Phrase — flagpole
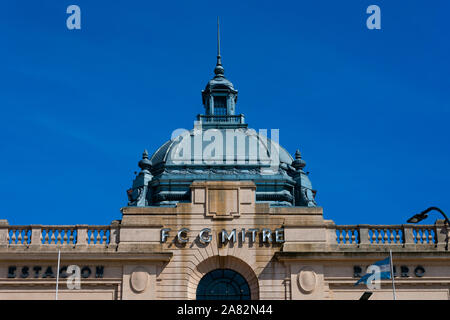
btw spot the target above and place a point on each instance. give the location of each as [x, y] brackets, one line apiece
[57, 273]
[392, 274]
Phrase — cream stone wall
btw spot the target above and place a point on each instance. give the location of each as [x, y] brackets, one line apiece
[315, 260]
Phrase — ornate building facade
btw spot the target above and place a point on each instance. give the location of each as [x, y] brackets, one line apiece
[220, 211]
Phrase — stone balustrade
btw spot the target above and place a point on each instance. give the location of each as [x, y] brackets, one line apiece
[346, 236]
[72, 235]
[19, 235]
[391, 235]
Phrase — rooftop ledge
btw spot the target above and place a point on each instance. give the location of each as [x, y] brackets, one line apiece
[344, 239]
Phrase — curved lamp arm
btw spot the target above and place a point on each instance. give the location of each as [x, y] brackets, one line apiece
[420, 216]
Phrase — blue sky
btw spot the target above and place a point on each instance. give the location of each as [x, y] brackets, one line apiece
[369, 109]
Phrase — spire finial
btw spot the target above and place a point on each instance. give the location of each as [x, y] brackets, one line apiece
[219, 71]
[298, 163]
[145, 163]
[218, 39]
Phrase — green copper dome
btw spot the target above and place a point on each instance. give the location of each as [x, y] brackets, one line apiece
[221, 147]
[251, 148]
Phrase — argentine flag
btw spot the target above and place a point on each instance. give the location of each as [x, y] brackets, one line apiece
[385, 271]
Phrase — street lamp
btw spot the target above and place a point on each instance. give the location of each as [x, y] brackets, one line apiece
[423, 215]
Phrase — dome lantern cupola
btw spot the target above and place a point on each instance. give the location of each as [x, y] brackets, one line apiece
[219, 98]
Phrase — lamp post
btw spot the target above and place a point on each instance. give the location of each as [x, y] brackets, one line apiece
[424, 214]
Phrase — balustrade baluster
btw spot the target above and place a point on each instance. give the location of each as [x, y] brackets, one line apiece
[91, 238]
[71, 236]
[373, 237]
[25, 238]
[379, 236]
[418, 236]
[424, 236]
[58, 238]
[65, 236]
[430, 235]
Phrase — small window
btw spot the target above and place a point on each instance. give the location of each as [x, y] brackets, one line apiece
[220, 106]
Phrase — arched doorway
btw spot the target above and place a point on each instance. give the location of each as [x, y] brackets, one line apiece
[223, 284]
